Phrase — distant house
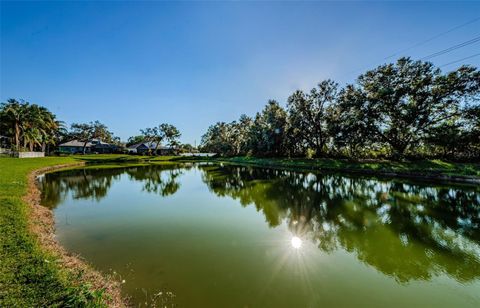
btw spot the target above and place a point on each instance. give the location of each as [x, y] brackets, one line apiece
[138, 148]
[94, 146]
[146, 147]
[74, 147]
[101, 147]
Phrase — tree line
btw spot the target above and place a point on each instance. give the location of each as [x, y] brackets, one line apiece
[407, 109]
[29, 127]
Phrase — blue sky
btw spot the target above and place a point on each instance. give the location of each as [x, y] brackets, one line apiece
[133, 65]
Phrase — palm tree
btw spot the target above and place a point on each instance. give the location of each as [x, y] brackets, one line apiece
[32, 125]
[15, 113]
[42, 126]
[52, 129]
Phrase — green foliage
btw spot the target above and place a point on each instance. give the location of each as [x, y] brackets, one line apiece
[170, 133]
[269, 131]
[406, 109]
[85, 296]
[187, 148]
[400, 103]
[309, 153]
[135, 139]
[164, 132]
[308, 121]
[29, 126]
[228, 138]
[86, 132]
[218, 139]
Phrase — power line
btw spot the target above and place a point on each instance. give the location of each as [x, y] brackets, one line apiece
[432, 38]
[472, 41]
[452, 48]
[460, 60]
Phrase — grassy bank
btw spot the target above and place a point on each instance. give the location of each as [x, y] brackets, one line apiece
[30, 275]
[428, 169]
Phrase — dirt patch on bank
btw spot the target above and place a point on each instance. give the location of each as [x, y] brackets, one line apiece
[42, 225]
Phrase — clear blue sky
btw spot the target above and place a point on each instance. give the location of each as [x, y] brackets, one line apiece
[132, 65]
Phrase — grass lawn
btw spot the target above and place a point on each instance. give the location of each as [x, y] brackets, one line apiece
[29, 276]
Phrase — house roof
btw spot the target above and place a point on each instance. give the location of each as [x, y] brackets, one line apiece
[75, 143]
[98, 141]
[134, 146]
[150, 145]
[101, 144]
[93, 143]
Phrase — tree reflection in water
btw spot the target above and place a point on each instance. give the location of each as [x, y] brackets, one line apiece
[160, 179]
[407, 231]
[81, 183]
[94, 183]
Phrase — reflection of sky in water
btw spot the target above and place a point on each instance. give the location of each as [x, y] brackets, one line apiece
[278, 238]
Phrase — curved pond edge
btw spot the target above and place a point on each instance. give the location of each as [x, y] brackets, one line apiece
[41, 224]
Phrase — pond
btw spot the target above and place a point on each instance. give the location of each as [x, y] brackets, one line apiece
[213, 235]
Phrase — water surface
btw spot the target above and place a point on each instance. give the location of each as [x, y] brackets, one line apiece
[212, 235]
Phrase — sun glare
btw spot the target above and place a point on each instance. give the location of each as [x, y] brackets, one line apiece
[296, 242]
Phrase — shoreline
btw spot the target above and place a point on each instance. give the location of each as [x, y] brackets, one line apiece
[302, 165]
[391, 174]
[429, 170]
[41, 224]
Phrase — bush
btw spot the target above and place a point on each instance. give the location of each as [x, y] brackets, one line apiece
[309, 153]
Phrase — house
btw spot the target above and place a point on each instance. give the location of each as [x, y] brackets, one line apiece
[138, 148]
[74, 147]
[144, 148]
[93, 146]
[101, 147]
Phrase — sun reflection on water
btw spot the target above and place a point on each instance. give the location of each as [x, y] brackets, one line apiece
[296, 242]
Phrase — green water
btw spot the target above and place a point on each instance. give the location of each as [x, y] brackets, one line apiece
[230, 236]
